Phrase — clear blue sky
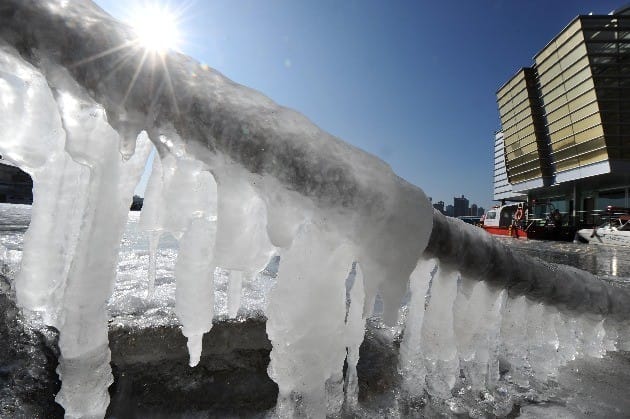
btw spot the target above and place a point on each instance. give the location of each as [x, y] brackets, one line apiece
[412, 82]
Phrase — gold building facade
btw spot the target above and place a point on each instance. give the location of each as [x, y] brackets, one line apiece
[525, 143]
[566, 120]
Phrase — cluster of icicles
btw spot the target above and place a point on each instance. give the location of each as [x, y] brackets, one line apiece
[50, 127]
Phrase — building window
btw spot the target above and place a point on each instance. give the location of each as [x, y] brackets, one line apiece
[615, 198]
[560, 203]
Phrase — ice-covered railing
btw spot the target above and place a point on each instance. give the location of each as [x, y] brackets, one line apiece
[238, 179]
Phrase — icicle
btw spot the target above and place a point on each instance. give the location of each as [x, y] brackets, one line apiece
[285, 212]
[32, 137]
[567, 340]
[195, 284]
[512, 328]
[305, 323]
[611, 331]
[194, 269]
[84, 362]
[592, 336]
[476, 323]
[154, 241]
[242, 242]
[623, 335]
[235, 286]
[493, 330]
[411, 356]
[542, 342]
[180, 198]
[386, 281]
[355, 332]
[54, 230]
[151, 217]
[438, 338]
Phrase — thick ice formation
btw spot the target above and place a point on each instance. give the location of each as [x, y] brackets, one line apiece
[237, 179]
[81, 198]
[308, 334]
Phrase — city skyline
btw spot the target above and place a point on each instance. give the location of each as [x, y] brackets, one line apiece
[392, 80]
[461, 207]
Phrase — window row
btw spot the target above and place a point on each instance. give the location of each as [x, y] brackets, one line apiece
[569, 95]
[580, 69]
[564, 42]
[564, 109]
[574, 150]
[516, 104]
[580, 137]
[591, 157]
[610, 33]
[517, 142]
[514, 87]
[522, 150]
[558, 63]
[525, 172]
[559, 131]
[608, 48]
[521, 129]
[563, 119]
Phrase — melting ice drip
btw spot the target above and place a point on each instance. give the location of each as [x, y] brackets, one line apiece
[238, 179]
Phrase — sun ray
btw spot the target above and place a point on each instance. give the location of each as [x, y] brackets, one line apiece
[169, 84]
[155, 34]
[105, 53]
[135, 77]
[120, 62]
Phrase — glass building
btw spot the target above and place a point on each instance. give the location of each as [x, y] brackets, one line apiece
[565, 121]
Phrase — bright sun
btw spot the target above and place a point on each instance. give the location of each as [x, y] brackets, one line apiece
[156, 28]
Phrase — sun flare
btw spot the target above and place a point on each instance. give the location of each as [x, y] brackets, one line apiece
[156, 28]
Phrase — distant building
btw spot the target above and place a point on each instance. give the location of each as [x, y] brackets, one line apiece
[460, 206]
[439, 206]
[16, 186]
[480, 211]
[565, 121]
[136, 203]
[450, 210]
[473, 210]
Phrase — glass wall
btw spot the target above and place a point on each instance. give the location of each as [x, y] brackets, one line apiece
[615, 198]
[523, 130]
[569, 99]
[608, 44]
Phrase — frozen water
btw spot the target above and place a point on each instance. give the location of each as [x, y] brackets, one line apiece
[355, 329]
[438, 335]
[306, 323]
[411, 359]
[238, 179]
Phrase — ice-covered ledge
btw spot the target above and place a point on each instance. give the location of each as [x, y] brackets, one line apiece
[351, 189]
[212, 113]
[481, 256]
